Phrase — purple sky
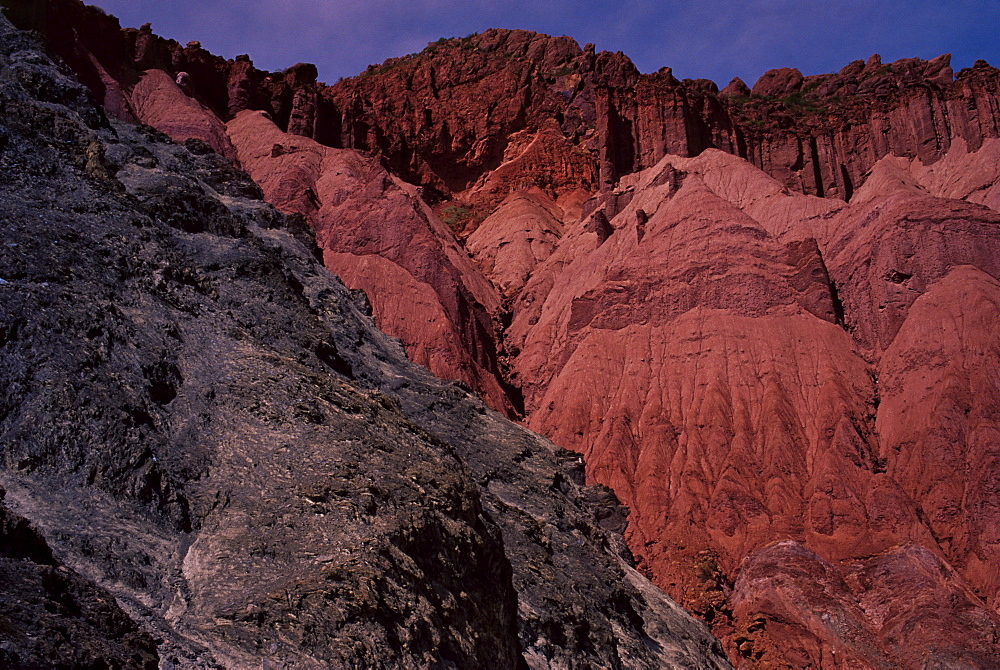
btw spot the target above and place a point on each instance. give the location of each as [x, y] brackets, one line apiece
[715, 39]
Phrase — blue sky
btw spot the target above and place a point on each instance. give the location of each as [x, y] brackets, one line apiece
[714, 39]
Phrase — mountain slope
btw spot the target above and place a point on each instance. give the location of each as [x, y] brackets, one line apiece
[822, 386]
[793, 394]
[201, 421]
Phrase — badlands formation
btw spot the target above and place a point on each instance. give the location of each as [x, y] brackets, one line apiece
[767, 317]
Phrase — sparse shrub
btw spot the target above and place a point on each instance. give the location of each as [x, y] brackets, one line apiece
[458, 217]
[798, 102]
[563, 71]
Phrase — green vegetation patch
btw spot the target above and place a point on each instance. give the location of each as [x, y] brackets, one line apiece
[458, 217]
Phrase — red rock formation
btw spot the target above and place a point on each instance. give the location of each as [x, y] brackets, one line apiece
[445, 118]
[937, 421]
[819, 135]
[894, 242]
[378, 236]
[903, 608]
[520, 234]
[700, 368]
[157, 100]
[778, 83]
[540, 159]
[972, 176]
[825, 137]
[795, 394]
[644, 117]
[736, 88]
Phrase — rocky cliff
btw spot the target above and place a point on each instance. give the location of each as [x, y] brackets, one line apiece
[791, 395]
[448, 117]
[765, 316]
[211, 458]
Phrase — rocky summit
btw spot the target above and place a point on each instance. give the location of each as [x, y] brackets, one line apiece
[732, 351]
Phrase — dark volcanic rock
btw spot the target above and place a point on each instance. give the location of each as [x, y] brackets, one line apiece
[52, 617]
[198, 418]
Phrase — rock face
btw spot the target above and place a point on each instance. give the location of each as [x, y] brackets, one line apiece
[211, 458]
[158, 100]
[460, 113]
[54, 617]
[824, 138]
[766, 317]
[379, 236]
[442, 133]
[515, 239]
[745, 366]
